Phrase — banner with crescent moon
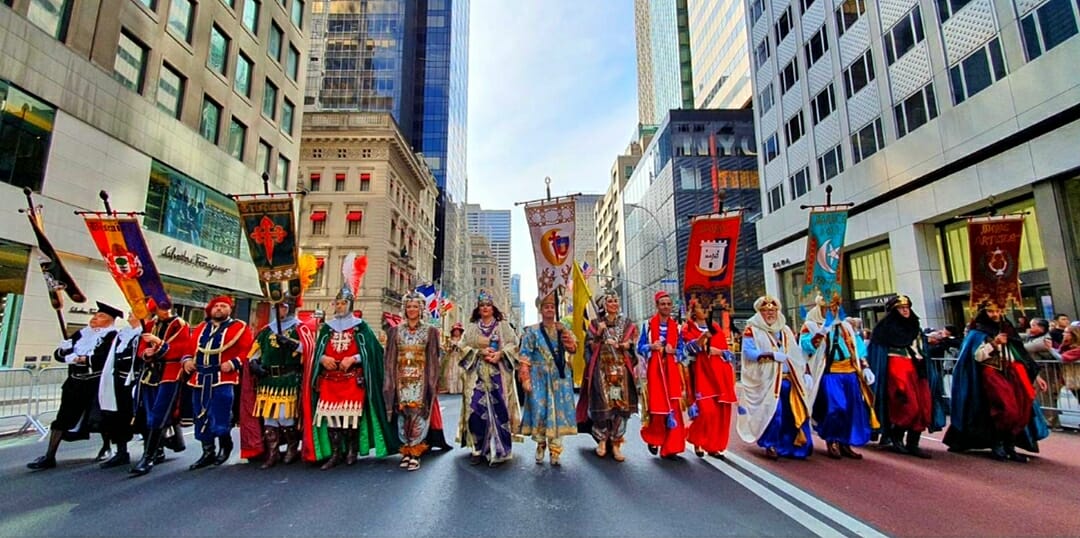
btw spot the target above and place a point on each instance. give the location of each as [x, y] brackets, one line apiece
[994, 247]
[824, 254]
[710, 258]
[127, 256]
[552, 228]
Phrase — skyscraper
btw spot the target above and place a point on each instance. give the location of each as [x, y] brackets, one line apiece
[720, 58]
[665, 80]
[493, 224]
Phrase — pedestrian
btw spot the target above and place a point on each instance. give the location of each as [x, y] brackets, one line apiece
[843, 410]
[115, 392]
[85, 354]
[609, 394]
[165, 340]
[908, 393]
[711, 382]
[450, 376]
[1057, 332]
[219, 346]
[490, 409]
[778, 421]
[662, 429]
[548, 381]
[410, 389]
[1070, 357]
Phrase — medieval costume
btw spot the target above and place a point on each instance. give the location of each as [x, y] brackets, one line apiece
[548, 382]
[164, 343]
[271, 393]
[843, 410]
[609, 394]
[993, 397]
[908, 393]
[85, 354]
[490, 410]
[450, 374]
[116, 391]
[219, 348]
[711, 382]
[776, 385]
[410, 388]
[662, 419]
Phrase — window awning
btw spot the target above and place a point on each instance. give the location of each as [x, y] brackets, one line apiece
[339, 177]
[354, 216]
[318, 216]
[365, 177]
[315, 176]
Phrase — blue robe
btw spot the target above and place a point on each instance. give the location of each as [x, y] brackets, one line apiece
[549, 409]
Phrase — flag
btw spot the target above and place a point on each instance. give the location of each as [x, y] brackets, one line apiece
[586, 270]
[57, 277]
[431, 298]
[269, 225]
[581, 300]
[710, 258]
[994, 249]
[824, 250]
[552, 228]
[127, 256]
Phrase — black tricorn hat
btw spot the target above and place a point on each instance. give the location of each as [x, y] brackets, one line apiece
[109, 310]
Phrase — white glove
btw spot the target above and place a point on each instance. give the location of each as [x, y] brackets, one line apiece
[67, 345]
[868, 376]
[808, 381]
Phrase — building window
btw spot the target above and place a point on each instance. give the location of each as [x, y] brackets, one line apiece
[789, 76]
[761, 53]
[765, 101]
[218, 58]
[170, 93]
[281, 176]
[26, 125]
[365, 182]
[872, 272]
[948, 8]
[823, 104]
[180, 207]
[799, 183]
[848, 14]
[273, 46]
[816, 47]
[181, 13]
[859, 74]
[783, 26]
[977, 72]
[314, 181]
[130, 65]
[339, 182]
[354, 217]
[251, 16]
[237, 138]
[51, 16]
[771, 147]
[776, 198]
[210, 119]
[298, 13]
[292, 63]
[806, 4]
[903, 36]
[757, 9]
[150, 4]
[867, 141]
[318, 227]
[830, 164]
[287, 109]
[1047, 27]
[269, 105]
[262, 158]
[794, 129]
[242, 82]
[915, 111]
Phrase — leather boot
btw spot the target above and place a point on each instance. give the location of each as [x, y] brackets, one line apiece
[271, 436]
[207, 458]
[352, 443]
[175, 441]
[896, 440]
[616, 451]
[912, 446]
[335, 450]
[159, 455]
[847, 452]
[225, 450]
[150, 448]
[1011, 455]
[120, 457]
[292, 443]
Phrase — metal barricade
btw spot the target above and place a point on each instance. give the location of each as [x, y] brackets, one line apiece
[47, 384]
[17, 398]
[1060, 402]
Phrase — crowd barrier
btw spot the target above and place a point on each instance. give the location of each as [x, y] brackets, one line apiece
[1060, 401]
[31, 395]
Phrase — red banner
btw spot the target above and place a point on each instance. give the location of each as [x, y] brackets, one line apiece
[994, 247]
[710, 259]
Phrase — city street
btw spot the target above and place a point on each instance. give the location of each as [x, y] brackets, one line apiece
[745, 495]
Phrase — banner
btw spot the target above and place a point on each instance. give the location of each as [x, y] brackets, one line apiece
[552, 229]
[269, 225]
[824, 252]
[127, 256]
[710, 258]
[57, 277]
[994, 247]
[580, 319]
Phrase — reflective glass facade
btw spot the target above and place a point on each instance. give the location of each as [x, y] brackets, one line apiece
[669, 48]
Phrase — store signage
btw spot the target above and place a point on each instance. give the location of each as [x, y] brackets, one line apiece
[88, 311]
[193, 260]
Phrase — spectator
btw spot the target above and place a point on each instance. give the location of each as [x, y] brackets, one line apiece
[1058, 331]
[1070, 355]
[942, 341]
[1022, 325]
[1038, 342]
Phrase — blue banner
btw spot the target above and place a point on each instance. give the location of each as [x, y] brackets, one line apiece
[824, 254]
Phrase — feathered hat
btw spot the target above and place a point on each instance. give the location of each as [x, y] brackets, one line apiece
[352, 272]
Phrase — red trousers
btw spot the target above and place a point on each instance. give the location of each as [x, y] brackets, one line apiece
[1010, 396]
[909, 396]
[665, 396]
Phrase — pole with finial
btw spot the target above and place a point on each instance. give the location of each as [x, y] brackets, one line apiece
[105, 200]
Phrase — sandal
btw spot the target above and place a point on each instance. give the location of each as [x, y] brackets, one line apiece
[404, 462]
[414, 464]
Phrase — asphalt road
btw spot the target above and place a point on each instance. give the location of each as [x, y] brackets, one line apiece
[645, 496]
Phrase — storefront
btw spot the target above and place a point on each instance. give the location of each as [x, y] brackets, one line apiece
[14, 259]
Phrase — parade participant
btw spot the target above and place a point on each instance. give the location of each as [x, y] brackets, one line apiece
[490, 410]
[450, 376]
[548, 381]
[164, 342]
[711, 382]
[348, 418]
[776, 385]
[276, 367]
[85, 354]
[115, 391]
[843, 410]
[219, 346]
[663, 430]
[609, 393]
[410, 389]
[993, 396]
[906, 395]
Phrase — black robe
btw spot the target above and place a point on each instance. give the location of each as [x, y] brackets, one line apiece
[79, 412]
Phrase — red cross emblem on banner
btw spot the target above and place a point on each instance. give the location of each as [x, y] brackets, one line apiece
[268, 234]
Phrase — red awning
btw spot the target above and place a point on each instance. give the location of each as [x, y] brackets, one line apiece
[339, 177]
[354, 216]
[318, 216]
[315, 176]
[365, 177]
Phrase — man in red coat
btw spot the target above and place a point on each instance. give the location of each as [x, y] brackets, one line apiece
[220, 345]
[662, 418]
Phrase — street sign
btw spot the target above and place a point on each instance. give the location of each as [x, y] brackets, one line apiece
[669, 281]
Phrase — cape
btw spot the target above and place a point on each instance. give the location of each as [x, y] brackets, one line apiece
[886, 335]
[594, 341]
[251, 445]
[435, 437]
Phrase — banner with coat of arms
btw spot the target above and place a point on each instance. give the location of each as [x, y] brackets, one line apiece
[710, 258]
[994, 248]
[552, 228]
[127, 256]
[269, 226]
[824, 253]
